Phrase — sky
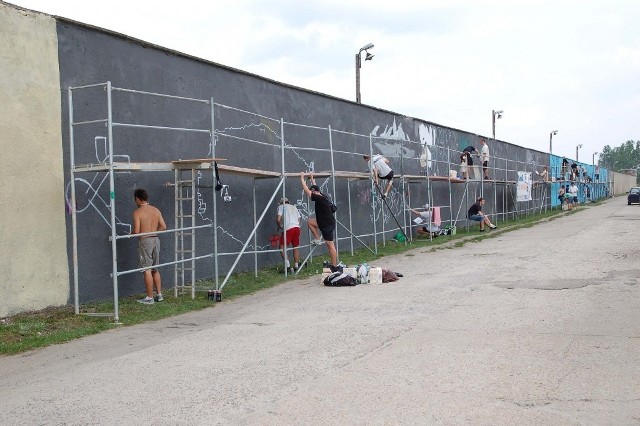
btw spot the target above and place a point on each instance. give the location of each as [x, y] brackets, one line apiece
[566, 65]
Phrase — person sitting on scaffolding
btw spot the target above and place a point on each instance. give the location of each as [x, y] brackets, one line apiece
[380, 169]
[324, 215]
[424, 221]
[288, 219]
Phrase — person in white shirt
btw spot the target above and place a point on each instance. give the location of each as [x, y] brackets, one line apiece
[425, 227]
[484, 156]
[573, 190]
[291, 217]
[380, 169]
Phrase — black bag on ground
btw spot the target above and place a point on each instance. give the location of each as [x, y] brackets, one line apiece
[340, 279]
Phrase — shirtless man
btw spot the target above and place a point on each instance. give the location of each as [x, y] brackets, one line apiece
[147, 218]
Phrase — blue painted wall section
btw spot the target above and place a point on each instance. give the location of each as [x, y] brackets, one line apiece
[594, 183]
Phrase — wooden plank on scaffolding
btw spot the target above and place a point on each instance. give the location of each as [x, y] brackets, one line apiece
[223, 168]
[104, 167]
[337, 173]
[447, 178]
[196, 161]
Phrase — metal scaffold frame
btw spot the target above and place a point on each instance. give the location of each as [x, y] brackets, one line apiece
[185, 235]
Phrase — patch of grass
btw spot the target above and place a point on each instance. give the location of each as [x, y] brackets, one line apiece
[32, 330]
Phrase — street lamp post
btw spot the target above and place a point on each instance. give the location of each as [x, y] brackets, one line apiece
[359, 65]
[577, 148]
[553, 132]
[593, 159]
[495, 114]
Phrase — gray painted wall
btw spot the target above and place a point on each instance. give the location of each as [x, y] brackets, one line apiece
[88, 56]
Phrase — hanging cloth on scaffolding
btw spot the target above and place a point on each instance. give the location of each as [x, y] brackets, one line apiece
[218, 183]
[436, 216]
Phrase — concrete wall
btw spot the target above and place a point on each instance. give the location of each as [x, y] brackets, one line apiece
[621, 182]
[88, 55]
[33, 265]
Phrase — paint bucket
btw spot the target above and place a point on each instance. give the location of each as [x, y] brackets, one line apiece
[453, 174]
[274, 239]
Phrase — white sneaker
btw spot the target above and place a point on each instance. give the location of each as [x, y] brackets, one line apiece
[317, 242]
[147, 301]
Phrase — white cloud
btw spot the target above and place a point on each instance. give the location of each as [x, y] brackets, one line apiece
[561, 64]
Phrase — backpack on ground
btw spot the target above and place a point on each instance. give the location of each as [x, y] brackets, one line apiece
[388, 276]
[340, 279]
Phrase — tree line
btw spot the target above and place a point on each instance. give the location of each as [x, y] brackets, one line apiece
[621, 158]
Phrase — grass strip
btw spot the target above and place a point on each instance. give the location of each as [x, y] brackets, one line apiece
[38, 329]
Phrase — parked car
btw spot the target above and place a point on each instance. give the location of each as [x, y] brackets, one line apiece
[633, 196]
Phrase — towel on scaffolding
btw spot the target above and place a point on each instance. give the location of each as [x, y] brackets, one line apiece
[436, 216]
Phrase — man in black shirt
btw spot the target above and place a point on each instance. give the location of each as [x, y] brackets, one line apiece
[475, 214]
[468, 151]
[324, 215]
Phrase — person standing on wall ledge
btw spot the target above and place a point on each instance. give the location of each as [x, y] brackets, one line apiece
[147, 218]
[484, 157]
[380, 169]
[324, 215]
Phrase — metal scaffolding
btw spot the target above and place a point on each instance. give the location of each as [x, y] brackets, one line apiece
[434, 178]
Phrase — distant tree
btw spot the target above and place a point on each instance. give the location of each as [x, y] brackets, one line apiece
[625, 156]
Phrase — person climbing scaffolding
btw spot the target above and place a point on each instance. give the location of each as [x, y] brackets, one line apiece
[380, 169]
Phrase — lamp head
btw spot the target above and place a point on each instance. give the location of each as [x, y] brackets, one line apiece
[369, 57]
[554, 132]
[579, 146]
[367, 47]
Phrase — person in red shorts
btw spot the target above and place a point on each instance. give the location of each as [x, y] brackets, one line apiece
[288, 218]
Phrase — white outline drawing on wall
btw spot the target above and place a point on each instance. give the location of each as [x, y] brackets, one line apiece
[94, 200]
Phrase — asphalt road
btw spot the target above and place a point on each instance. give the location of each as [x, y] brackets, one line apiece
[539, 326]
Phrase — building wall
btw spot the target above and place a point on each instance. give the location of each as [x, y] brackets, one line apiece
[34, 270]
[88, 55]
[621, 183]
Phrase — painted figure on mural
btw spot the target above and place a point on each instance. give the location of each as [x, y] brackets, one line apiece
[380, 169]
[148, 219]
